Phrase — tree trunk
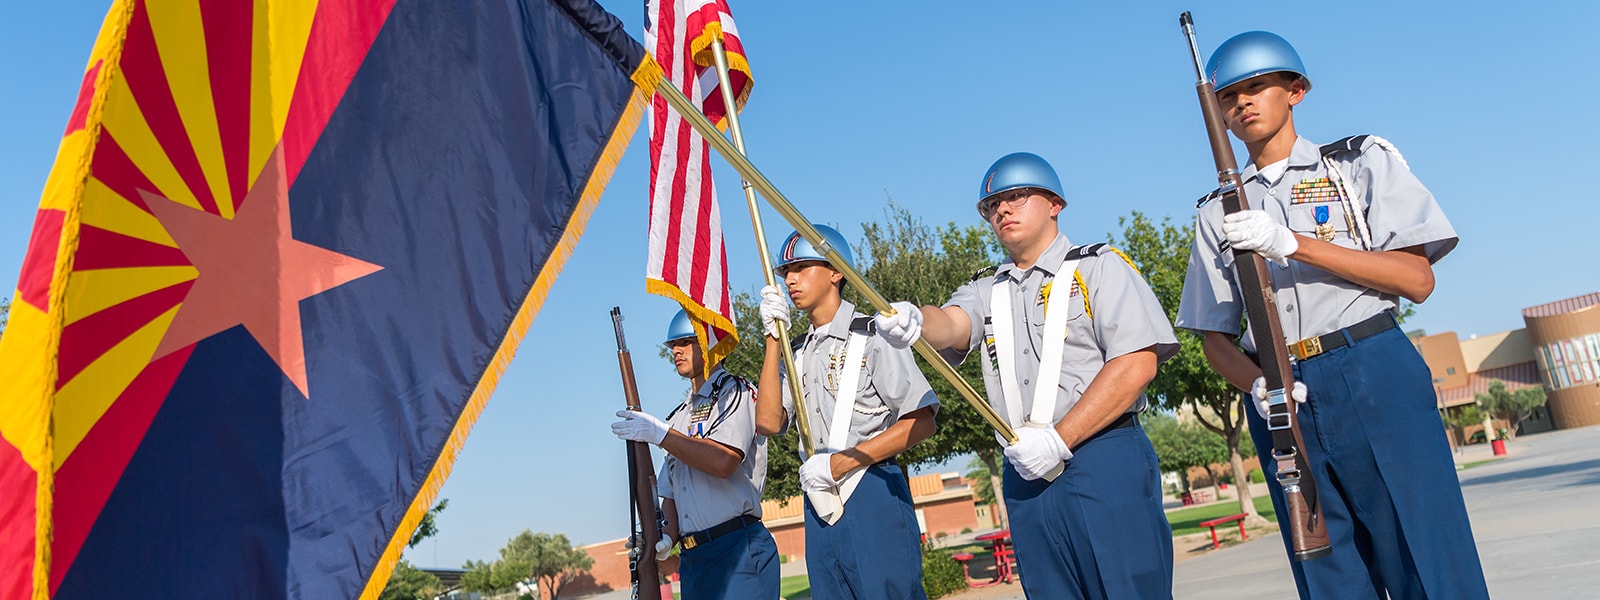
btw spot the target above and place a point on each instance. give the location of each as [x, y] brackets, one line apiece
[1002, 517]
[1241, 478]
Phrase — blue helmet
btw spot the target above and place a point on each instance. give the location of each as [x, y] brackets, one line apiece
[798, 249]
[1250, 54]
[679, 327]
[1019, 170]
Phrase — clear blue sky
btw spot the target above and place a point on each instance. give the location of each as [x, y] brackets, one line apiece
[858, 100]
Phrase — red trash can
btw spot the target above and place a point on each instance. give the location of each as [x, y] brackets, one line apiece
[1499, 447]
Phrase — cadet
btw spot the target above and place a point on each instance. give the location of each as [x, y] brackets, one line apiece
[711, 480]
[868, 402]
[1070, 336]
[1350, 231]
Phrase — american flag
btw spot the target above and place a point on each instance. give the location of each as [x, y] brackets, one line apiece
[687, 260]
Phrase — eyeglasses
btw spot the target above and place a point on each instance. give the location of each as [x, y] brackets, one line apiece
[1013, 198]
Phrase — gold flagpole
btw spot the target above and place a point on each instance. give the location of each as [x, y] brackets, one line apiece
[802, 421]
[752, 176]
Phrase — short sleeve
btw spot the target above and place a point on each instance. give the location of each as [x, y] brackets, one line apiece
[1401, 212]
[664, 479]
[1210, 301]
[900, 385]
[1127, 316]
[736, 411]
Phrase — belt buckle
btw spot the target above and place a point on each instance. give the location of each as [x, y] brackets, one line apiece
[689, 542]
[1306, 348]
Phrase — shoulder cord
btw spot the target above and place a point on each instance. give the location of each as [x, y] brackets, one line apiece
[1357, 225]
[716, 394]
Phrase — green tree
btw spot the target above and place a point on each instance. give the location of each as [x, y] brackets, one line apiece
[428, 527]
[1512, 407]
[5, 314]
[531, 560]
[982, 481]
[487, 577]
[410, 583]
[1182, 446]
[547, 559]
[1186, 381]
[1464, 416]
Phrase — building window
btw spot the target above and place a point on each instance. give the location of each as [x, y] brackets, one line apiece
[1450, 371]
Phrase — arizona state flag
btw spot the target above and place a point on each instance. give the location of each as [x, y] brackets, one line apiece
[285, 251]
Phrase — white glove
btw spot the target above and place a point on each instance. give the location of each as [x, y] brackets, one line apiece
[1259, 391]
[636, 426]
[1037, 452]
[816, 475]
[664, 547]
[774, 310]
[1256, 230]
[902, 328]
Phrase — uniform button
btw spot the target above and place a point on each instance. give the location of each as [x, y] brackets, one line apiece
[1288, 308]
[1272, 192]
[1025, 382]
[1026, 351]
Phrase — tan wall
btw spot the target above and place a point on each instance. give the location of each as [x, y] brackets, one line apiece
[1497, 350]
[1442, 352]
[1576, 405]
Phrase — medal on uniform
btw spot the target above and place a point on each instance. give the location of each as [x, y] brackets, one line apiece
[1324, 230]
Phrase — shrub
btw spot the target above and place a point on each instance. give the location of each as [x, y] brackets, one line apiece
[1256, 476]
[966, 530]
[941, 575]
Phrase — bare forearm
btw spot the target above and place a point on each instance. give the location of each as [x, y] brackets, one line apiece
[702, 454]
[1113, 392]
[1404, 272]
[770, 415]
[1229, 361]
[945, 328]
[669, 512]
[904, 433]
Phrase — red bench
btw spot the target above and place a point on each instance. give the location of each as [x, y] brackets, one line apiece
[1228, 519]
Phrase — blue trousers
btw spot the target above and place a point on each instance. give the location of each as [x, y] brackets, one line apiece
[742, 565]
[1097, 531]
[1385, 479]
[873, 552]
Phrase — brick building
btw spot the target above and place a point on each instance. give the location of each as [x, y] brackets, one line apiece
[945, 505]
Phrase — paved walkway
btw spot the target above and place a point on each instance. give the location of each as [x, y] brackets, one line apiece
[1534, 515]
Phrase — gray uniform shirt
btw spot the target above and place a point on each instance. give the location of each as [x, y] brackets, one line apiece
[1400, 213]
[1126, 318]
[889, 387]
[729, 417]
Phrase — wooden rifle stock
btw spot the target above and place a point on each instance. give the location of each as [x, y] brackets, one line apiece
[1308, 532]
[644, 528]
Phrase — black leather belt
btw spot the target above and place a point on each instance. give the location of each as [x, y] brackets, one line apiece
[721, 529]
[1125, 421]
[1316, 346]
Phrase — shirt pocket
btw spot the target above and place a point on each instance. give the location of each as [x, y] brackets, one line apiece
[1308, 218]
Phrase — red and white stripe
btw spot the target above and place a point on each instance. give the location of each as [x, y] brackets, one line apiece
[687, 260]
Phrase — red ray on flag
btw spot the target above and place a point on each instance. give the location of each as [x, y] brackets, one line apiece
[687, 261]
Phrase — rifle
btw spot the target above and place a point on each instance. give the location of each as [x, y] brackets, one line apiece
[644, 535]
[1308, 532]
